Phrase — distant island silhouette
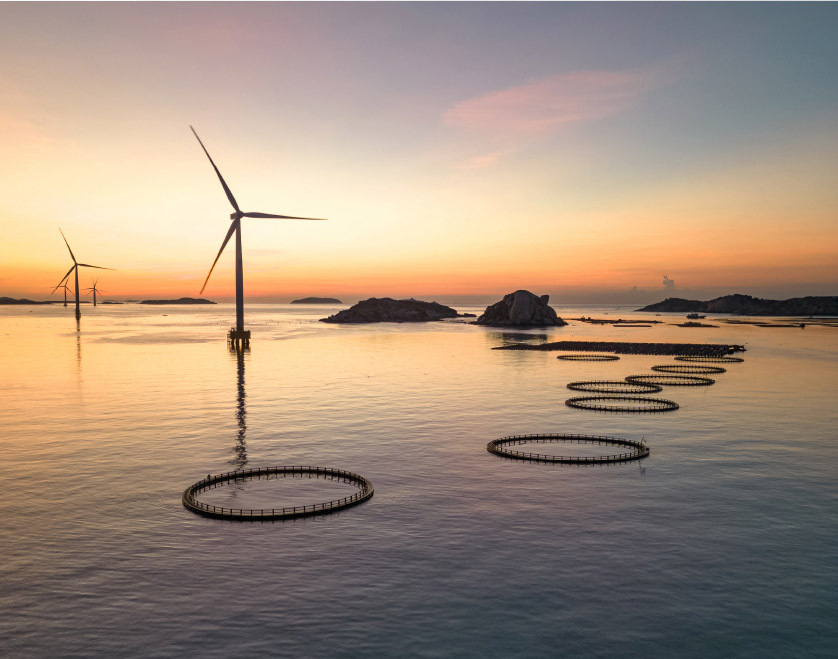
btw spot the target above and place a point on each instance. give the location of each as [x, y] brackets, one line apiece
[182, 300]
[388, 310]
[11, 300]
[317, 300]
[746, 305]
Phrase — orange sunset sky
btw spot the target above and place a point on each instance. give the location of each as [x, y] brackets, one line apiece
[462, 150]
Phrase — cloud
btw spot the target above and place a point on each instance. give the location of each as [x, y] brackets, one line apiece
[481, 160]
[543, 105]
[20, 132]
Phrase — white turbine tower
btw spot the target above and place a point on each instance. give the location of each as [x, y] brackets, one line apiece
[238, 334]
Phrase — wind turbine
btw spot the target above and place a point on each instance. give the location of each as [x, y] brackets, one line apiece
[95, 290]
[76, 266]
[66, 288]
[239, 333]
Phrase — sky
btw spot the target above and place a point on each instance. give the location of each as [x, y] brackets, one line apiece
[593, 151]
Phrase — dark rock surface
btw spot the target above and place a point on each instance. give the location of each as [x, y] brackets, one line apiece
[11, 300]
[745, 305]
[520, 309]
[317, 300]
[388, 310]
[182, 300]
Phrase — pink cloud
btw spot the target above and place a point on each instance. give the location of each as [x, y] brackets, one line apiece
[545, 104]
[482, 160]
[18, 131]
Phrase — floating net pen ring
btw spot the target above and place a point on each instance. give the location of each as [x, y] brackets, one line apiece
[619, 404]
[190, 500]
[709, 360]
[615, 387]
[671, 380]
[501, 447]
[589, 358]
[690, 370]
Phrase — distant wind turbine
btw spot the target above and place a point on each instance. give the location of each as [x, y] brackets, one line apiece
[95, 290]
[66, 288]
[239, 334]
[76, 266]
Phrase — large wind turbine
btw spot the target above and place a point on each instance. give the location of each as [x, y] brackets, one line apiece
[95, 290]
[235, 227]
[76, 266]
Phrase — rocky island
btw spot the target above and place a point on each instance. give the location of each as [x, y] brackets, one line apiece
[745, 305]
[182, 300]
[521, 309]
[388, 310]
[317, 300]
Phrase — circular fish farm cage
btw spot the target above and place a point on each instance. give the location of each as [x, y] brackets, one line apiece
[615, 387]
[709, 360]
[191, 502]
[629, 404]
[671, 380]
[501, 446]
[589, 358]
[689, 370]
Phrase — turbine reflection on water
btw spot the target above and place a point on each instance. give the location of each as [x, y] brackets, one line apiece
[239, 461]
[78, 345]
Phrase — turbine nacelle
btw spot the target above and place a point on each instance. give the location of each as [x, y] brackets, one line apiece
[236, 216]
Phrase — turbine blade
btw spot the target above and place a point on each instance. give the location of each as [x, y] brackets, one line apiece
[282, 217]
[68, 245]
[63, 279]
[98, 267]
[223, 245]
[229, 194]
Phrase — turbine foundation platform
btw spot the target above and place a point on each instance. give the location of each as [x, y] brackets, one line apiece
[239, 338]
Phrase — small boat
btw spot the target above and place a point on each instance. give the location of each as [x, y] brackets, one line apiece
[694, 316]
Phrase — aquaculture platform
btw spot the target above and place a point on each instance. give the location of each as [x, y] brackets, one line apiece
[631, 348]
[191, 502]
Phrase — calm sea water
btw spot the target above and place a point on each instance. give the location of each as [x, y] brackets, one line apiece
[722, 543]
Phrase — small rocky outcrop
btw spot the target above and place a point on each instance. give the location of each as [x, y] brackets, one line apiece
[521, 309]
[182, 300]
[388, 310]
[317, 300]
